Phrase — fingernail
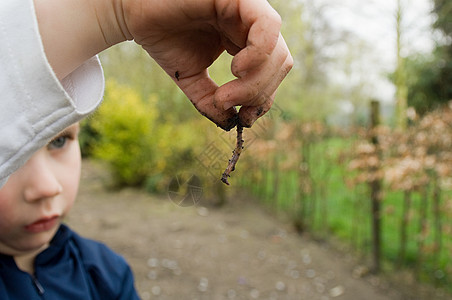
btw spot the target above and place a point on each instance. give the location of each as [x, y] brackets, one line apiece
[241, 74]
[227, 105]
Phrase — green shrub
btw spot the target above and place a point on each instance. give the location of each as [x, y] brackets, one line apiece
[124, 124]
[141, 146]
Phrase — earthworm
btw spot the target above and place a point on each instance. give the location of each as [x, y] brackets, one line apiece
[235, 155]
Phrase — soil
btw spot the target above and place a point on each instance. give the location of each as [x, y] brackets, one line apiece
[238, 251]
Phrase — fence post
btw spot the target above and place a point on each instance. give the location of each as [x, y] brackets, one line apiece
[375, 189]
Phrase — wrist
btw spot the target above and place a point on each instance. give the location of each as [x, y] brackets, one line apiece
[110, 18]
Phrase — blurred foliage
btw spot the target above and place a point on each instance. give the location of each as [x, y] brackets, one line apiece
[128, 133]
[430, 76]
[430, 79]
[443, 11]
[423, 92]
[305, 93]
[319, 177]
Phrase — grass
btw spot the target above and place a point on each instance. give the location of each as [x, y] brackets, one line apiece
[319, 196]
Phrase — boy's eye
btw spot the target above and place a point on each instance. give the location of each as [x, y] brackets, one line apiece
[58, 142]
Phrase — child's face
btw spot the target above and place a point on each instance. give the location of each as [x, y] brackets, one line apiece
[38, 195]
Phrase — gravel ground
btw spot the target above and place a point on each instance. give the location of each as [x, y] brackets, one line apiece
[238, 251]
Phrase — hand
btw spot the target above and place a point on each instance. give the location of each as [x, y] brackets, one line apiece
[186, 37]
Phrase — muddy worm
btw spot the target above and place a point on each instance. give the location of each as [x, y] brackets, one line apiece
[235, 156]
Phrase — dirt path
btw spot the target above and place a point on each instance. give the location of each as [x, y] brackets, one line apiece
[237, 252]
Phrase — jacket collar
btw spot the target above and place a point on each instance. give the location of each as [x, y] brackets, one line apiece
[56, 247]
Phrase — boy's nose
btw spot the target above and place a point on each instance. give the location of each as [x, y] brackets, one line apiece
[42, 181]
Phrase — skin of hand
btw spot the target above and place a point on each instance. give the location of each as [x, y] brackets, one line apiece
[184, 37]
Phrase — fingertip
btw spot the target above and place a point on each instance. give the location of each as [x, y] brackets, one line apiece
[231, 122]
[225, 119]
[249, 114]
[227, 105]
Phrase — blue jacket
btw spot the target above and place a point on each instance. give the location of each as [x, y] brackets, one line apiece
[72, 267]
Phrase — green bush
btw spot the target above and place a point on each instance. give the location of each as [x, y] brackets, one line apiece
[123, 124]
[129, 134]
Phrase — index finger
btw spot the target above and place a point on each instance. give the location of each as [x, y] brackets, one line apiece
[262, 62]
[264, 25]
